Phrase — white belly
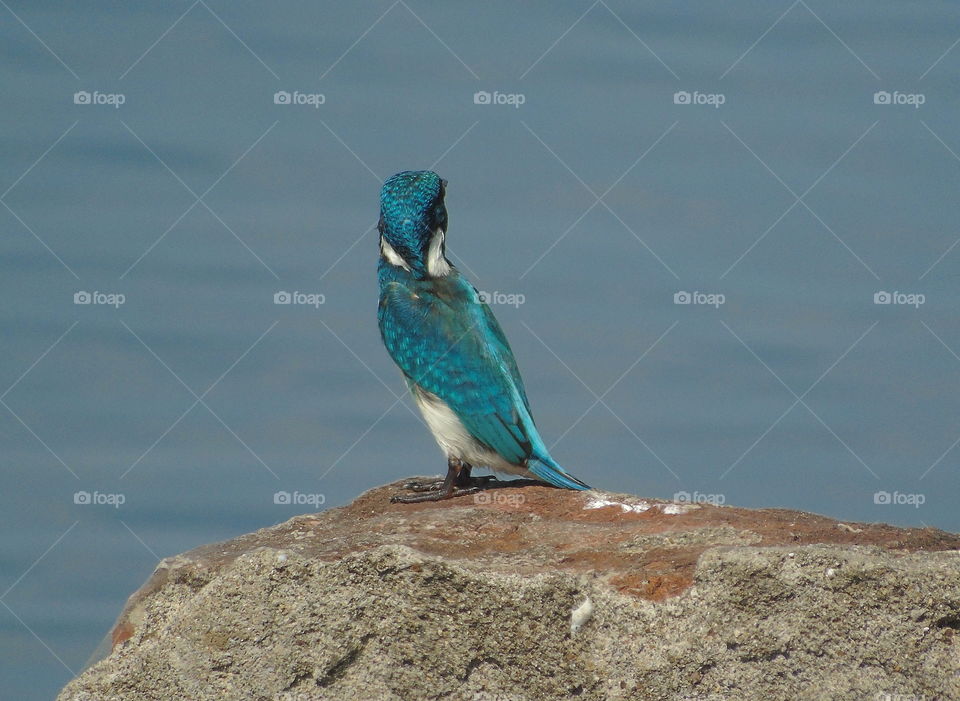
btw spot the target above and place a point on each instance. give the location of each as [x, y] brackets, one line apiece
[454, 438]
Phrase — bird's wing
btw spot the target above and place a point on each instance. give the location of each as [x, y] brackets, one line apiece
[452, 350]
[506, 353]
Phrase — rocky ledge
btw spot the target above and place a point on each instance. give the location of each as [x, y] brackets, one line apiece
[537, 593]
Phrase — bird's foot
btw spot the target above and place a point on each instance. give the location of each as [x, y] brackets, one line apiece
[458, 483]
[418, 486]
[434, 495]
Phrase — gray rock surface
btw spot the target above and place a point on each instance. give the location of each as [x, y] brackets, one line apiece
[474, 599]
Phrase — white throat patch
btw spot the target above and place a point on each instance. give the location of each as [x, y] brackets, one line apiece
[437, 265]
[391, 256]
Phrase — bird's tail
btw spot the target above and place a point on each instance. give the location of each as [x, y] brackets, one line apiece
[548, 470]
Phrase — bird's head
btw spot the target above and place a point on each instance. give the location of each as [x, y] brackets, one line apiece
[413, 223]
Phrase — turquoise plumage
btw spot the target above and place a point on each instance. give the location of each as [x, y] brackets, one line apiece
[448, 344]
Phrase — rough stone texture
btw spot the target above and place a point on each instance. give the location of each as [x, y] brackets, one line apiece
[472, 599]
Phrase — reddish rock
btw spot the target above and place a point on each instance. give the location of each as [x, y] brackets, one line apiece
[807, 570]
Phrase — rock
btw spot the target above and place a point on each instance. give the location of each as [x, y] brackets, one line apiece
[538, 593]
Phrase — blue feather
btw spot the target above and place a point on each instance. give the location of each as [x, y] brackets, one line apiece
[445, 340]
[549, 471]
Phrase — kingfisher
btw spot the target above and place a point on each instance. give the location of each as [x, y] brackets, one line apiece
[452, 352]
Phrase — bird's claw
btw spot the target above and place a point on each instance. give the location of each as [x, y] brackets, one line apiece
[458, 483]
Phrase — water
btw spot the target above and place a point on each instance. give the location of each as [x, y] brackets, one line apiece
[798, 391]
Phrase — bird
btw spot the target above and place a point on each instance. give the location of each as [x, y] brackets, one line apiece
[451, 350]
